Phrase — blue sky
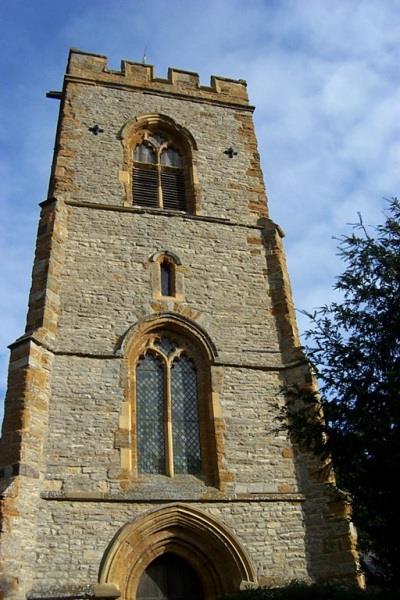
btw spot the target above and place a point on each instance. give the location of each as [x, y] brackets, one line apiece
[323, 74]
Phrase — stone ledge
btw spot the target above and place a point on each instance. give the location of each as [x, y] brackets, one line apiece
[287, 365]
[160, 212]
[132, 498]
[64, 592]
[106, 590]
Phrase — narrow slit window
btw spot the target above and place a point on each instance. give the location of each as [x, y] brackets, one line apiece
[167, 279]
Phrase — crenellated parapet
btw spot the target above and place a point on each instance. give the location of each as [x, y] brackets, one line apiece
[93, 67]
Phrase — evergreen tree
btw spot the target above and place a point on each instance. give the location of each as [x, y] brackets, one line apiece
[354, 346]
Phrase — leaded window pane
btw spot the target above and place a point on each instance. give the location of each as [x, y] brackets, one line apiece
[150, 414]
[166, 345]
[185, 420]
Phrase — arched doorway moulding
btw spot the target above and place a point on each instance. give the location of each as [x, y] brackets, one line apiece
[210, 548]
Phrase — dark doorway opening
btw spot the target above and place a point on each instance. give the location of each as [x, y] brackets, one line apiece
[170, 577]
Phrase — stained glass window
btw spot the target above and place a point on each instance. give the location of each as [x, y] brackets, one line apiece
[150, 414]
[185, 431]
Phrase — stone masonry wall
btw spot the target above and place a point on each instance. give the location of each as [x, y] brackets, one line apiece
[84, 415]
[110, 252]
[93, 287]
[73, 537]
[88, 166]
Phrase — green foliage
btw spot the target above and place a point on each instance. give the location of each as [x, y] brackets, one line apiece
[316, 591]
[354, 346]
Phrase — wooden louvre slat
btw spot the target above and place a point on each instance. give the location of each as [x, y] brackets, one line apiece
[145, 186]
[173, 189]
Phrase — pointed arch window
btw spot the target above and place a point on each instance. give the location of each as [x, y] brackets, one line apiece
[167, 409]
[158, 179]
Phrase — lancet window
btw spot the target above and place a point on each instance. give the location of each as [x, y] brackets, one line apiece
[167, 277]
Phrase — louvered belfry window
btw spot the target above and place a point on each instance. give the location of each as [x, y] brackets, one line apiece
[158, 174]
[168, 432]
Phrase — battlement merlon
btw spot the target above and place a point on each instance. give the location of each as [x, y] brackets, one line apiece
[89, 67]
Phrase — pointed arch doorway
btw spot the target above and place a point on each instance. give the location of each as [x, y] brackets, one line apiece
[175, 548]
[170, 577]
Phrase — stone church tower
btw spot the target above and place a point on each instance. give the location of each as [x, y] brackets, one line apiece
[140, 454]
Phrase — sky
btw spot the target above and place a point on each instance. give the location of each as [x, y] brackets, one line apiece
[324, 77]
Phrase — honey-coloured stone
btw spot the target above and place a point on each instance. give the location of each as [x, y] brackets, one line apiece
[77, 518]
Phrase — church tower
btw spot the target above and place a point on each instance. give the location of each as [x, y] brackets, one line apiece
[141, 455]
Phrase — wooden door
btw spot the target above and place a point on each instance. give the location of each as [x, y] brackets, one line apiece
[170, 577]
